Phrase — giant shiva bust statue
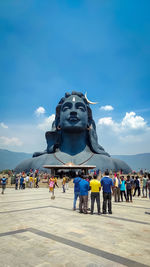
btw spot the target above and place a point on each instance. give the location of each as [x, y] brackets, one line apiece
[73, 139]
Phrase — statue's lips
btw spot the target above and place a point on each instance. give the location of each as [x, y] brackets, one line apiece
[74, 119]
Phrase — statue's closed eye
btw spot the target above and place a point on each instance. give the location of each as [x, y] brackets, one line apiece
[65, 108]
[80, 106]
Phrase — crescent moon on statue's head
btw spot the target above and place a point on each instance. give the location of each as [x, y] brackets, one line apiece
[90, 102]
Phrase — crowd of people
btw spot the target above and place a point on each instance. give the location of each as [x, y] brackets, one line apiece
[121, 187]
[28, 180]
[23, 180]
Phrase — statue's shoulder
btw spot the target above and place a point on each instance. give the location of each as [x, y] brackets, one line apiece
[40, 161]
[103, 162]
[121, 165]
[24, 166]
[34, 163]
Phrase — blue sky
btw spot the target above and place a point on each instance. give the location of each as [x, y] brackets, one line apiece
[50, 47]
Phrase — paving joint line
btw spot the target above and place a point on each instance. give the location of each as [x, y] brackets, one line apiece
[98, 252]
[55, 207]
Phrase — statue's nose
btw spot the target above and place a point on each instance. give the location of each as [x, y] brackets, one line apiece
[73, 113]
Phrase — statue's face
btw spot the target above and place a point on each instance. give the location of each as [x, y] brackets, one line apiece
[73, 114]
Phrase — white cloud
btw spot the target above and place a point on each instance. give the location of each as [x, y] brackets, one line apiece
[40, 111]
[131, 135]
[29, 138]
[26, 137]
[47, 123]
[107, 108]
[10, 141]
[132, 121]
[3, 125]
[106, 121]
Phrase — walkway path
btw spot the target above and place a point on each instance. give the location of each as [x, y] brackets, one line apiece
[38, 231]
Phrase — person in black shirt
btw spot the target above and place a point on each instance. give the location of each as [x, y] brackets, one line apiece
[16, 182]
[128, 188]
[137, 186]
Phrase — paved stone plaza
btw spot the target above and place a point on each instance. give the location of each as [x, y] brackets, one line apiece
[38, 231]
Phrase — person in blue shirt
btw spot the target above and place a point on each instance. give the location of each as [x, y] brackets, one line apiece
[76, 190]
[107, 184]
[122, 188]
[84, 188]
[3, 183]
[21, 182]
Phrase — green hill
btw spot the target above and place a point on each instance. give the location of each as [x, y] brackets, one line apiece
[9, 159]
[136, 162]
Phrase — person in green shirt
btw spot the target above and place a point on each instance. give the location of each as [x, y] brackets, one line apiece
[144, 188]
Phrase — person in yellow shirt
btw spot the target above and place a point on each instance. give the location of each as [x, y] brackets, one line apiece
[95, 187]
[31, 180]
[34, 182]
